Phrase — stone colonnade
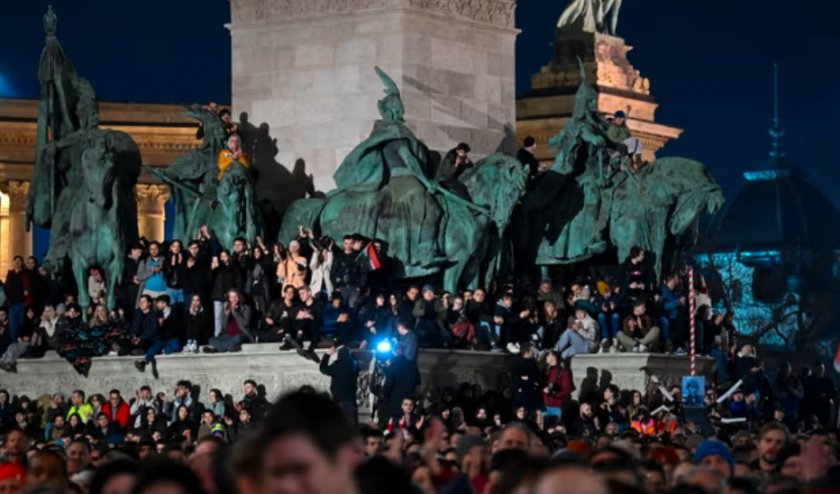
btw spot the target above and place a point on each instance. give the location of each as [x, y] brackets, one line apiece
[15, 240]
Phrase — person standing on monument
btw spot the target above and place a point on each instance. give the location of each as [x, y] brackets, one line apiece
[453, 165]
[17, 290]
[623, 143]
[150, 272]
[527, 156]
[346, 272]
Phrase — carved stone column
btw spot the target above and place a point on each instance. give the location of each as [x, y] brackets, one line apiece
[151, 200]
[15, 241]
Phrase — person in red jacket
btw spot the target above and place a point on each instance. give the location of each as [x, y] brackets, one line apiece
[557, 387]
[117, 409]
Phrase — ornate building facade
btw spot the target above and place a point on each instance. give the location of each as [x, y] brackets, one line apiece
[161, 132]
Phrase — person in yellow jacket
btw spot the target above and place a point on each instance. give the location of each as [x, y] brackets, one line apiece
[232, 153]
[79, 406]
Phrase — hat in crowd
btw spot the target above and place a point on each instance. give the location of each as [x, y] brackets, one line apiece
[12, 471]
[579, 447]
[713, 447]
[620, 114]
[428, 288]
[465, 444]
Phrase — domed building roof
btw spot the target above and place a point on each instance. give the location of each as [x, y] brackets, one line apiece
[776, 209]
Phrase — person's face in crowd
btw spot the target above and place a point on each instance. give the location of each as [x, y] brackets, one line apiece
[135, 254]
[479, 296]
[294, 465]
[289, 293]
[639, 310]
[145, 451]
[46, 470]
[618, 121]
[507, 301]
[225, 117]
[305, 294]
[207, 418]
[380, 300]
[428, 295]
[738, 397]
[580, 314]
[160, 305]
[637, 398]
[640, 257]
[481, 414]
[654, 481]
[457, 304]
[294, 248]
[15, 444]
[11, 486]
[58, 422]
[347, 245]
[74, 420]
[421, 477]
[233, 298]
[175, 247]
[154, 250]
[224, 258]
[101, 313]
[195, 302]
[513, 438]
[769, 445]
[779, 415]
[717, 463]
[31, 264]
[17, 263]
[792, 467]
[119, 484]
[76, 398]
[407, 406]
[72, 313]
[182, 391]
[545, 287]
[214, 397]
[521, 414]
[143, 304]
[585, 410]
[244, 416]
[608, 395]
[193, 250]
[249, 389]
[102, 421]
[183, 413]
[412, 293]
[96, 457]
[234, 143]
[79, 453]
[239, 246]
[373, 445]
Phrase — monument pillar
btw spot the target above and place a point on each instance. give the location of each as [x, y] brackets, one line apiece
[14, 239]
[544, 110]
[305, 68]
[151, 214]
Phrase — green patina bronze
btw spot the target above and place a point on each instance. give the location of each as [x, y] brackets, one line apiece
[591, 199]
[385, 191]
[591, 16]
[225, 202]
[83, 183]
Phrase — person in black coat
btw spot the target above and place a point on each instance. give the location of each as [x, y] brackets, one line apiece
[226, 276]
[196, 276]
[526, 156]
[343, 370]
[525, 378]
[197, 324]
[401, 380]
[130, 283]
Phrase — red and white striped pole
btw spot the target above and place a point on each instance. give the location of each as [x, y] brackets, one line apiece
[691, 329]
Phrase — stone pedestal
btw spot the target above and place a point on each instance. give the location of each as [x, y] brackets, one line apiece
[543, 111]
[305, 67]
[594, 372]
[151, 215]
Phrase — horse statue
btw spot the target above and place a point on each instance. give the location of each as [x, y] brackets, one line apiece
[594, 198]
[98, 230]
[199, 191]
[83, 182]
[469, 230]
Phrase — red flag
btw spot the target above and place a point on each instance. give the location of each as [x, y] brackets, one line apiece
[373, 257]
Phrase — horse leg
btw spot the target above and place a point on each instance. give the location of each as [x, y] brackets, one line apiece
[79, 272]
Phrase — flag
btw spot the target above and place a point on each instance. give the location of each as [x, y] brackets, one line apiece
[837, 359]
[373, 258]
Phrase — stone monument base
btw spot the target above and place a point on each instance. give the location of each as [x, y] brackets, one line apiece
[277, 371]
[594, 372]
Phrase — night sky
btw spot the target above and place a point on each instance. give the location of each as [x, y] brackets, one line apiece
[710, 65]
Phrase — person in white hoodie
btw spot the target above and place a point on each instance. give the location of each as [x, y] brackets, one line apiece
[579, 337]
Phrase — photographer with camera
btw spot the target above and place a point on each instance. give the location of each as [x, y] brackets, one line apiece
[292, 271]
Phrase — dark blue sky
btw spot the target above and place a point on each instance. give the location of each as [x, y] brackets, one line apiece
[709, 63]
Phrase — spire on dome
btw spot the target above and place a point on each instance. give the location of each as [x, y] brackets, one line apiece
[776, 132]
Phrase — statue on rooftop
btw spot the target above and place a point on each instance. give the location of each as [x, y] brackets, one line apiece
[385, 192]
[83, 182]
[591, 16]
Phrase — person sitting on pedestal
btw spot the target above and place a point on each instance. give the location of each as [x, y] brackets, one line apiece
[170, 324]
[236, 324]
[638, 334]
[453, 165]
[144, 326]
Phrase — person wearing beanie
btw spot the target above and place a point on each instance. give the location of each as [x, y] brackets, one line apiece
[12, 477]
[715, 456]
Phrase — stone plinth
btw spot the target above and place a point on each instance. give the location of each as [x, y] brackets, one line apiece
[594, 372]
[543, 111]
[278, 371]
[305, 67]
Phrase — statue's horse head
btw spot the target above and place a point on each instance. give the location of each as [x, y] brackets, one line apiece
[98, 171]
[497, 182]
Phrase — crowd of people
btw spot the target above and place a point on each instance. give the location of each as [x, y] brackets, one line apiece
[531, 436]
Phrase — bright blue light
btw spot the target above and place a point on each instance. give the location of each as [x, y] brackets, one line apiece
[5, 87]
[384, 346]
